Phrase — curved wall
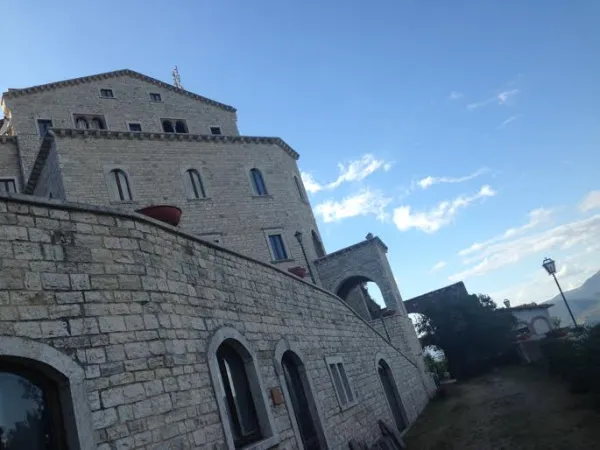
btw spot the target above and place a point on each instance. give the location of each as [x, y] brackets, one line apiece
[135, 303]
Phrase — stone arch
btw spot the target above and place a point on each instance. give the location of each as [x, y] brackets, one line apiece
[70, 379]
[265, 418]
[540, 325]
[282, 347]
[397, 411]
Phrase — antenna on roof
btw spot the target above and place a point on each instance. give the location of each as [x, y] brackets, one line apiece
[176, 78]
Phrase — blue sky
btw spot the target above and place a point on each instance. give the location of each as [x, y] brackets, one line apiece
[434, 125]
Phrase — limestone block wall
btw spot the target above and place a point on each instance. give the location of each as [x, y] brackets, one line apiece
[131, 103]
[156, 167]
[9, 159]
[134, 304]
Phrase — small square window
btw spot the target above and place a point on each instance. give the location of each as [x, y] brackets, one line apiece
[135, 127]
[215, 130]
[155, 97]
[43, 126]
[106, 93]
[8, 185]
[277, 247]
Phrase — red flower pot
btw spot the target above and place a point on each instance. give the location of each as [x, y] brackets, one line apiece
[164, 213]
[298, 271]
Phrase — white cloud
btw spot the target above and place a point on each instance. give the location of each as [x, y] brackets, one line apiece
[507, 252]
[503, 98]
[507, 121]
[455, 95]
[434, 219]
[537, 217]
[438, 266]
[590, 201]
[426, 182]
[353, 171]
[366, 202]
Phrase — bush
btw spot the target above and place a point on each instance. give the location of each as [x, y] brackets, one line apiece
[577, 360]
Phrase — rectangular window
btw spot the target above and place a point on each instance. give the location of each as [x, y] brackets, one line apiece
[43, 126]
[341, 383]
[135, 127]
[215, 130]
[8, 185]
[155, 97]
[106, 93]
[277, 247]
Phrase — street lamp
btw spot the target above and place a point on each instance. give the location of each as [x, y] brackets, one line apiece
[298, 236]
[550, 267]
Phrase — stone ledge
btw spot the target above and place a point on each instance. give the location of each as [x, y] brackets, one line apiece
[343, 251]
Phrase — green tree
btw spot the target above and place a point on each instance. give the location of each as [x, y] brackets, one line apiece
[555, 321]
[470, 330]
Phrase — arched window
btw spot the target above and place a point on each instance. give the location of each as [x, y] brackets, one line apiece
[180, 127]
[299, 187]
[238, 396]
[119, 186]
[193, 184]
[82, 124]
[241, 397]
[319, 250]
[168, 126]
[258, 182]
[31, 415]
[391, 393]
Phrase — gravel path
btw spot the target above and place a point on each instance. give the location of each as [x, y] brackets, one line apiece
[515, 408]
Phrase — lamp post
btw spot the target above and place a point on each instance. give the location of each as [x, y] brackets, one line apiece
[550, 267]
[298, 236]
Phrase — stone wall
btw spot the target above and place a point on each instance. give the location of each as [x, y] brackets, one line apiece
[134, 303]
[9, 160]
[131, 103]
[156, 168]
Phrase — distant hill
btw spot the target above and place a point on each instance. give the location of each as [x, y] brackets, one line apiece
[584, 302]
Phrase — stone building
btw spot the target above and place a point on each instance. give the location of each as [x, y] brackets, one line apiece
[118, 331]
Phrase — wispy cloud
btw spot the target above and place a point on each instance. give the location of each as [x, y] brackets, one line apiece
[426, 182]
[502, 98]
[590, 201]
[506, 252]
[455, 95]
[366, 202]
[438, 266]
[507, 121]
[537, 217]
[438, 217]
[353, 171]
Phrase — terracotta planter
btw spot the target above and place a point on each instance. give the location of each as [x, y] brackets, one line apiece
[164, 213]
[298, 271]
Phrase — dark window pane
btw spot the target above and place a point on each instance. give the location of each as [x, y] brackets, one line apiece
[337, 381]
[180, 127]
[43, 126]
[258, 182]
[108, 93]
[155, 97]
[215, 130]
[135, 127]
[122, 185]
[81, 123]
[168, 126]
[276, 242]
[345, 382]
[28, 419]
[241, 409]
[196, 184]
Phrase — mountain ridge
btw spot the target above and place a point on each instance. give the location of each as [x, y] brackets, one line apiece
[584, 302]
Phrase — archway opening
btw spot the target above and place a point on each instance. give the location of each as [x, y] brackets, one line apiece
[363, 295]
[392, 395]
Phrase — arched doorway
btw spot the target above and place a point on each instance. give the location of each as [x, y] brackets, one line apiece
[391, 393]
[30, 410]
[299, 392]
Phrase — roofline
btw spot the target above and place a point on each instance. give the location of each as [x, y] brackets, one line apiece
[521, 307]
[344, 250]
[11, 93]
[53, 133]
